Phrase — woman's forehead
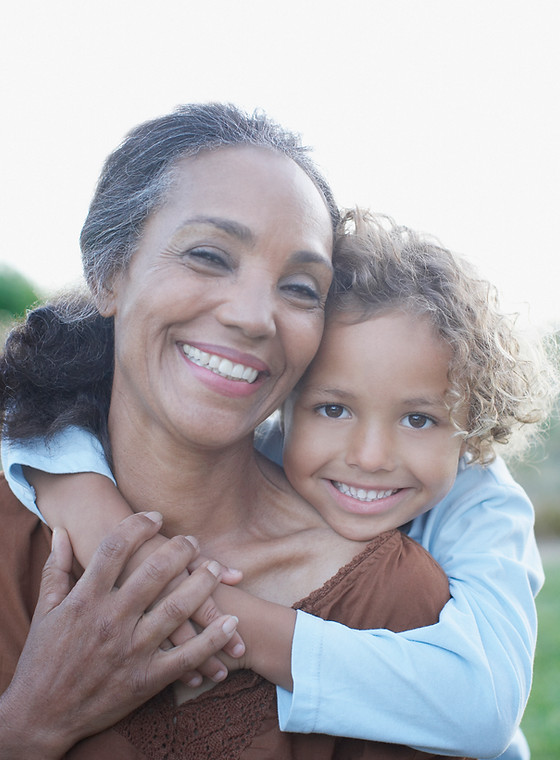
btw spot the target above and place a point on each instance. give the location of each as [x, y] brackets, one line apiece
[242, 196]
[230, 175]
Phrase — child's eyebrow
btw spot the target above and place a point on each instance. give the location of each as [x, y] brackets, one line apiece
[336, 393]
[431, 401]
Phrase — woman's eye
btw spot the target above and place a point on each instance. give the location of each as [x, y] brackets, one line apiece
[207, 256]
[334, 411]
[418, 421]
[303, 291]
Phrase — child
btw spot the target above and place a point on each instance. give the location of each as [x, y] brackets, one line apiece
[417, 377]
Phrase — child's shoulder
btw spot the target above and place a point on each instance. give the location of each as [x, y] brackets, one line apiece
[476, 484]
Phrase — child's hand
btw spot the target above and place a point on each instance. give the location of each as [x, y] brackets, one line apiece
[214, 668]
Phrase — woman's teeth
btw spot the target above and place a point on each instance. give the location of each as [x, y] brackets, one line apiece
[361, 494]
[219, 365]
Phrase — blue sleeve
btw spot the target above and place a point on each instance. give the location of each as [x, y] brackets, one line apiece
[458, 687]
[70, 451]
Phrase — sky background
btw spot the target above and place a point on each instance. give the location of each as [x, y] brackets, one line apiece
[444, 114]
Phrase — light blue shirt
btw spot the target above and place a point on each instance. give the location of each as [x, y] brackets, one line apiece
[458, 687]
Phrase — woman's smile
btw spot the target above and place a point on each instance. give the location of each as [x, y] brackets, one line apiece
[225, 362]
[224, 374]
[227, 287]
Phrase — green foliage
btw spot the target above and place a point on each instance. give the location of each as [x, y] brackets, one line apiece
[16, 293]
[540, 477]
[541, 723]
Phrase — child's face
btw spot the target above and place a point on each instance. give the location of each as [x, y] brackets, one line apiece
[369, 442]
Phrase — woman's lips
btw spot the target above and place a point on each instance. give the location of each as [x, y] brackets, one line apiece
[220, 365]
[229, 375]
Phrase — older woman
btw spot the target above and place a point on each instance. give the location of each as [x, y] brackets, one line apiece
[208, 246]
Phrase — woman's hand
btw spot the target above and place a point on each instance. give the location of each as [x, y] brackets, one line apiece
[93, 651]
[215, 668]
[102, 508]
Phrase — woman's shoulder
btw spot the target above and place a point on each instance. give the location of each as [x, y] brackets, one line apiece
[24, 548]
[393, 583]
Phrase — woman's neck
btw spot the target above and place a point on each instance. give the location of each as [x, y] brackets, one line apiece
[198, 491]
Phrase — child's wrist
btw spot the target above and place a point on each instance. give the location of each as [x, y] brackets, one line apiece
[267, 630]
[140, 555]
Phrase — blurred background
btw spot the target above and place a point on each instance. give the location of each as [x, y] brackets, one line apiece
[444, 114]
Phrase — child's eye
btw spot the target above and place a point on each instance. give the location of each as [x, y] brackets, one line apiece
[334, 411]
[418, 421]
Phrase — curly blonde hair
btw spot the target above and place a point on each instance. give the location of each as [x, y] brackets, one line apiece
[506, 383]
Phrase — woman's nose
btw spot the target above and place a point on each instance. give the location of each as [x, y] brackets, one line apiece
[371, 449]
[250, 308]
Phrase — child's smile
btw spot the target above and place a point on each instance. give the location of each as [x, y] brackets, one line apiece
[369, 440]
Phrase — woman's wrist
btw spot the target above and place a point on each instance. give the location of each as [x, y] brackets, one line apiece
[27, 736]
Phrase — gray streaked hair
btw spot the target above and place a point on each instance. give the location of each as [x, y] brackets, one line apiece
[137, 175]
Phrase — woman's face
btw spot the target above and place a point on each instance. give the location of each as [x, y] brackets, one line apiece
[221, 308]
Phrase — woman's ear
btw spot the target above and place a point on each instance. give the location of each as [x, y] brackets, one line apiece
[106, 298]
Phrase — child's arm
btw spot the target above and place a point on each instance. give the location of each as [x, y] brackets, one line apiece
[266, 628]
[101, 508]
[460, 686]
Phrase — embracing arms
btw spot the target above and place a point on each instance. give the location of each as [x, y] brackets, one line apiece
[458, 687]
[92, 653]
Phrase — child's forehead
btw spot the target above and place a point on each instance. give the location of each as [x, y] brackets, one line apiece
[356, 348]
[355, 318]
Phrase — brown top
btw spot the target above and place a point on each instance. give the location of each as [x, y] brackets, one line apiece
[393, 583]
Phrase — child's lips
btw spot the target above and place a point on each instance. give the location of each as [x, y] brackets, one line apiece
[364, 494]
[366, 501]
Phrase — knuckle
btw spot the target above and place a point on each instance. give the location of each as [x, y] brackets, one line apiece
[112, 547]
[108, 629]
[206, 613]
[173, 609]
[183, 545]
[48, 574]
[155, 569]
[139, 682]
[188, 660]
[77, 605]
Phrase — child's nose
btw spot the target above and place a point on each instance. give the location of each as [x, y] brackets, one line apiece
[371, 449]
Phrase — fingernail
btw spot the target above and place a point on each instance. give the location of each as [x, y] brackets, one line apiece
[154, 516]
[219, 676]
[195, 681]
[192, 540]
[215, 568]
[230, 624]
[238, 650]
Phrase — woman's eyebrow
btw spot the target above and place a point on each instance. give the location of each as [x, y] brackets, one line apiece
[235, 229]
[245, 235]
[310, 257]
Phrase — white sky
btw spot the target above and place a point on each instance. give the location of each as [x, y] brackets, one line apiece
[443, 113]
